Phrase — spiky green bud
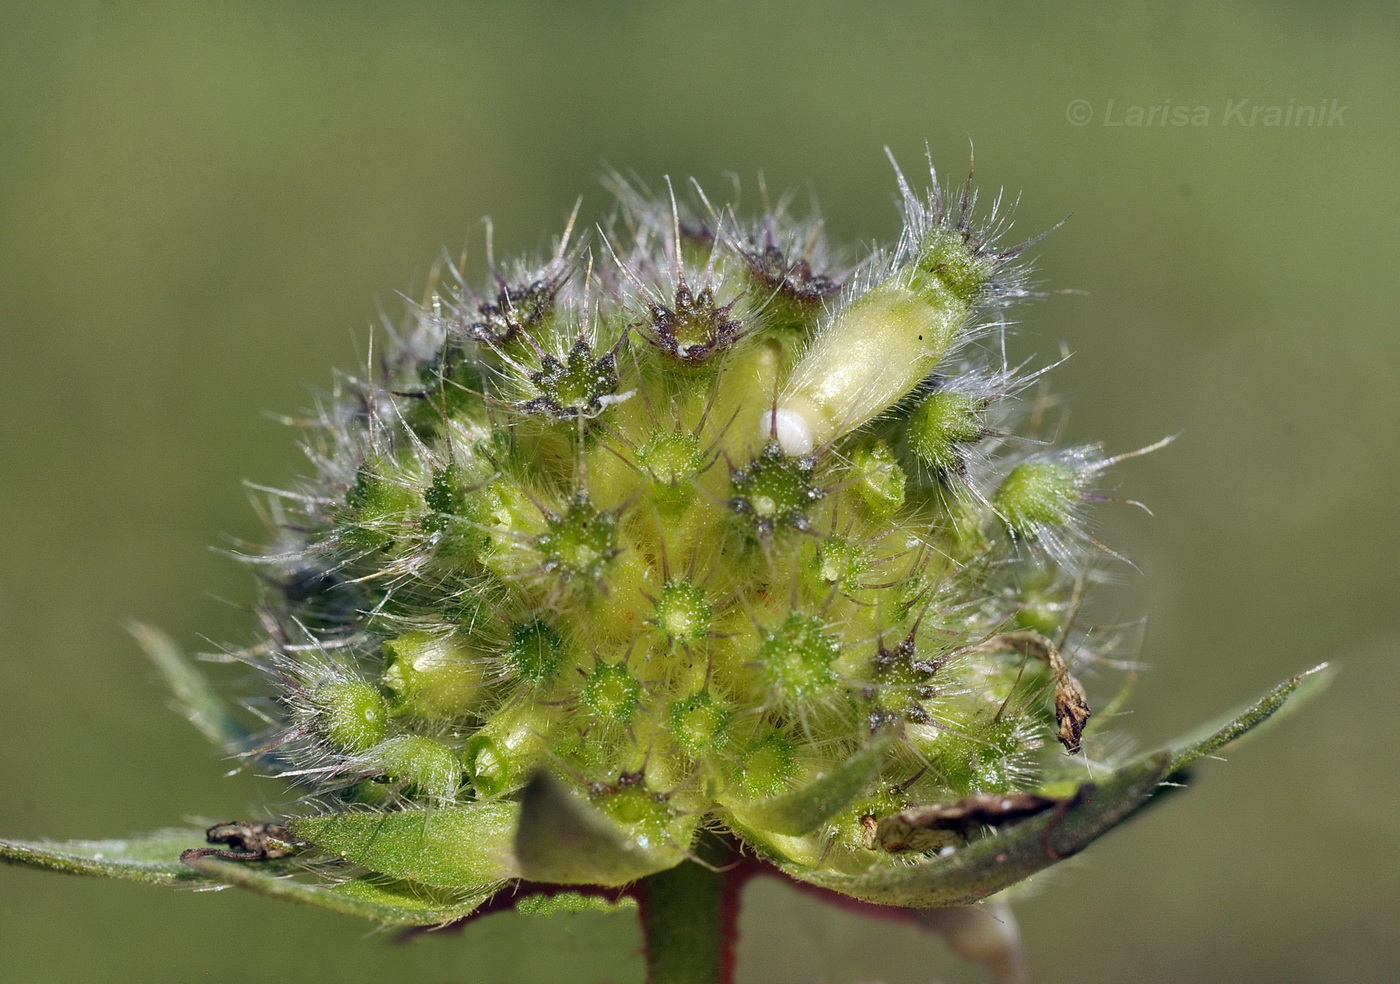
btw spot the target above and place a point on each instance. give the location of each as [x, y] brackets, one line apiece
[1037, 495]
[351, 714]
[942, 426]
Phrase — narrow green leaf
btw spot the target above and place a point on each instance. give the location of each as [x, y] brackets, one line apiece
[463, 847]
[995, 862]
[153, 858]
[567, 841]
[389, 901]
[1292, 692]
[194, 695]
[803, 810]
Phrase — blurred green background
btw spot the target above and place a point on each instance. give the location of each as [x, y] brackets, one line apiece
[204, 208]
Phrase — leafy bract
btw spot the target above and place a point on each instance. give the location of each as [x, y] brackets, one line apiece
[803, 810]
[152, 858]
[997, 861]
[463, 847]
[390, 901]
[568, 841]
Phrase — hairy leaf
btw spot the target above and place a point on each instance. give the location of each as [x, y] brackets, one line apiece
[398, 903]
[995, 862]
[464, 847]
[152, 858]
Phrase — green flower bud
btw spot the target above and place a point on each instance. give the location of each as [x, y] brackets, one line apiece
[694, 329]
[880, 480]
[377, 511]
[797, 658]
[579, 385]
[433, 677]
[682, 611]
[579, 542]
[943, 425]
[422, 766]
[351, 715]
[673, 459]
[611, 694]
[841, 563]
[774, 491]
[536, 652]
[1038, 494]
[768, 766]
[700, 724]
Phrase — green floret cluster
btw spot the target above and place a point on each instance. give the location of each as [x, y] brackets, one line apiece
[695, 551]
[688, 522]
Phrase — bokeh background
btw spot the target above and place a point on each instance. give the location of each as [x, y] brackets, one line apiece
[205, 207]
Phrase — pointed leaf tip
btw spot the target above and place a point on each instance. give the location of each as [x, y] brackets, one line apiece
[566, 840]
[194, 695]
[151, 858]
[1289, 695]
[803, 810]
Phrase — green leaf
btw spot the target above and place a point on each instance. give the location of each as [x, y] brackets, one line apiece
[195, 696]
[565, 840]
[803, 810]
[995, 862]
[463, 847]
[398, 903]
[153, 858]
[1292, 692]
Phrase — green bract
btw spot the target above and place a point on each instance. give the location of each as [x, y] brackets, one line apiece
[707, 541]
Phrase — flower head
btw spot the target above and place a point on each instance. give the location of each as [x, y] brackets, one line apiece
[686, 544]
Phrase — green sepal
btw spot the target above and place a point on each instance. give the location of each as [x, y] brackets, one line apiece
[397, 903]
[194, 695]
[803, 810]
[565, 840]
[993, 863]
[462, 847]
[1292, 692]
[151, 858]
